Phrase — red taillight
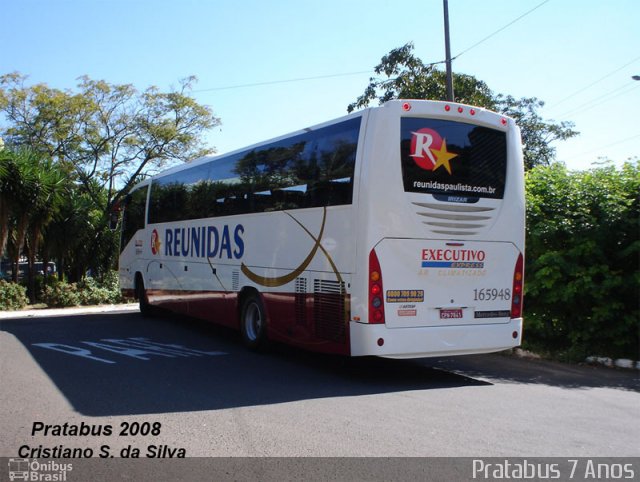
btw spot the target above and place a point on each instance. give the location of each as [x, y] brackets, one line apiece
[518, 284]
[376, 301]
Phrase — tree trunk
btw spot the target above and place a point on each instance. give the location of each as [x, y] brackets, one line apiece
[32, 252]
[4, 226]
[21, 234]
[61, 268]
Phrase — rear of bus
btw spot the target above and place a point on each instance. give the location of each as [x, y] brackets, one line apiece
[441, 215]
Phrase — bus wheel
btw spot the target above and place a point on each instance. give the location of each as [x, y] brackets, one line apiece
[253, 323]
[145, 308]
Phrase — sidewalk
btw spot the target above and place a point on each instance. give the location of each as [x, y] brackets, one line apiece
[76, 310]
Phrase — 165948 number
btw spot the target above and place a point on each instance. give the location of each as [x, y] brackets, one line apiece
[491, 294]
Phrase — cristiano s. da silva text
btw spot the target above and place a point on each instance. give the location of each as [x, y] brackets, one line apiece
[145, 433]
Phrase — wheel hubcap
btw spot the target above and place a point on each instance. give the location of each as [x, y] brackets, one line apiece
[253, 321]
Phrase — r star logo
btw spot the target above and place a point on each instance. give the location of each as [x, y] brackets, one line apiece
[429, 150]
[155, 242]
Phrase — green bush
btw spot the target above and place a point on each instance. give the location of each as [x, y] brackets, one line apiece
[96, 292]
[89, 291]
[12, 296]
[111, 281]
[60, 294]
[582, 273]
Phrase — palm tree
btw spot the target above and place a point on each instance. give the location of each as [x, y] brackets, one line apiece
[20, 194]
[48, 183]
[68, 238]
[7, 173]
[30, 191]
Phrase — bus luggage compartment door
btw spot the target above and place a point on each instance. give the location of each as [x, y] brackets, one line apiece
[446, 283]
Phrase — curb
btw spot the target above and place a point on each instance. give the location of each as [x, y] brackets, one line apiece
[78, 310]
[591, 360]
[609, 362]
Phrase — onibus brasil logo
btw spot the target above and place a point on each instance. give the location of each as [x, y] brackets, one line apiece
[429, 150]
[26, 469]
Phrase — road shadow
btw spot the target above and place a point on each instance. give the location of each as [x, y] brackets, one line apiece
[506, 368]
[108, 383]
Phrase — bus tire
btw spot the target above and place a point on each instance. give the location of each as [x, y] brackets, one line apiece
[141, 293]
[253, 323]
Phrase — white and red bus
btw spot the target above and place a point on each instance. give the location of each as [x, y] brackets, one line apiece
[396, 231]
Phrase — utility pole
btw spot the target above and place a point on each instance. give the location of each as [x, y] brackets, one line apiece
[447, 48]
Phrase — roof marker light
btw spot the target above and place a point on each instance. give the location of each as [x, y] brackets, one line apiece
[504, 121]
[406, 107]
[472, 112]
[460, 109]
[447, 107]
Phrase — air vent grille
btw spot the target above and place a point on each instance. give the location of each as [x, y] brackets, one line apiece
[455, 220]
[329, 310]
[300, 301]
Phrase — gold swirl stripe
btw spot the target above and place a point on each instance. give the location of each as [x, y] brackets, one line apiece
[327, 255]
[272, 282]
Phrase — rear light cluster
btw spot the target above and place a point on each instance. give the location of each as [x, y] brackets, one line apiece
[376, 300]
[518, 283]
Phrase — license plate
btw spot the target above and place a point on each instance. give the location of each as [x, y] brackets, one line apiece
[449, 314]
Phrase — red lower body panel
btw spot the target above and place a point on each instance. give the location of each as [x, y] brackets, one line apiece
[312, 321]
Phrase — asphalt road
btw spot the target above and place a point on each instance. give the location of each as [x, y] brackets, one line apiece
[193, 388]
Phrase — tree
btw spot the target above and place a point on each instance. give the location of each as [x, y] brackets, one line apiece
[410, 78]
[582, 279]
[537, 134]
[407, 77]
[78, 237]
[109, 135]
[48, 183]
[6, 197]
[30, 188]
[22, 166]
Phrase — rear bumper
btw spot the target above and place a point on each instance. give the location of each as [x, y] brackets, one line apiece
[423, 342]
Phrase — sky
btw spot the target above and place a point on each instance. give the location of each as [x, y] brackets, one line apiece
[578, 56]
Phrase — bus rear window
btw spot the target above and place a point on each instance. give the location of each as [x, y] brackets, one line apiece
[453, 161]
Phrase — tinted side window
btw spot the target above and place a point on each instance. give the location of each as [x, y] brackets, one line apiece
[308, 170]
[180, 196]
[133, 217]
